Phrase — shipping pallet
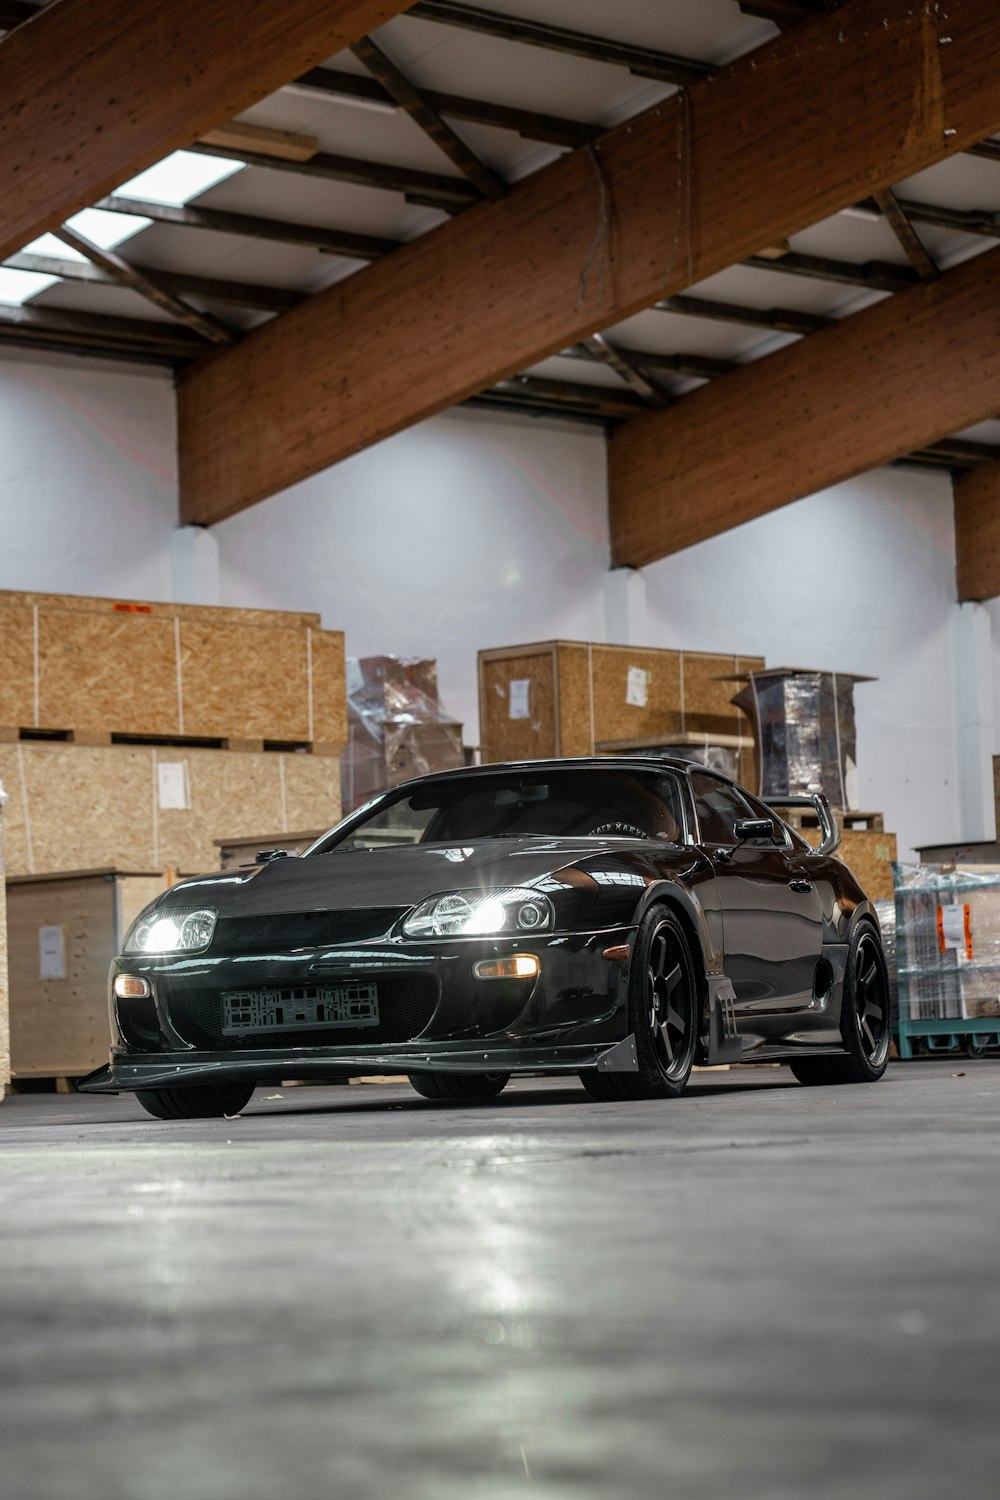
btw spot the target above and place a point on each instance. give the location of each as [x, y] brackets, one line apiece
[805, 817]
[973, 1035]
[96, 739]
[32, 1083]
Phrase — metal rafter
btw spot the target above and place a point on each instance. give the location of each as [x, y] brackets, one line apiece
[252, 226]
[533, 124]
[429, 189]
[80, 332]
[786, 13]
[899, 222]
[422, 112]
[211, 328]
[626, 369]
[781, 319]
[259, 298]
[647, 62]
[876, 275]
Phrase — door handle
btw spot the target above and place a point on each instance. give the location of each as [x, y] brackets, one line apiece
[799, 884]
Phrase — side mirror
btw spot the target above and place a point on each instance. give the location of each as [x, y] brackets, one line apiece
[753, 828]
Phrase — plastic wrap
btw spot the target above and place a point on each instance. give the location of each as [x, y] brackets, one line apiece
[806, 736]
[396, 726]
[886, 912]
[948, 942]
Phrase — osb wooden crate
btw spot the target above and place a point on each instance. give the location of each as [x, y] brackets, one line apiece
[105, 666]
[64, 931]
[4, 1013]
[869, 853]
[578, 695]
[74, 807]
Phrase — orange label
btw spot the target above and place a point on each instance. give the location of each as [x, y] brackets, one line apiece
[133, 609]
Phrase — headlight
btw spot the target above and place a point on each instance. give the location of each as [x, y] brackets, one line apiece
[182, 932]
[480, 914]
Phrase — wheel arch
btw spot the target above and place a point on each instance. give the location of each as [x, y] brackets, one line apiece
[691, 917]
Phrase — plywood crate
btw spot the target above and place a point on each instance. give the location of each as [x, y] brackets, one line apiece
[75, 807]
[239, 852]
[4, 1009]
[102, 667]
[63, 931]
[734, 755]
[566, 697]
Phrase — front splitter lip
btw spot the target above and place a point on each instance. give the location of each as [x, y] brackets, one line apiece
[172, 1070]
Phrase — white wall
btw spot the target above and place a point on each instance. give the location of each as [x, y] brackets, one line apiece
[88, 477]
[481, 529]
[469, 531]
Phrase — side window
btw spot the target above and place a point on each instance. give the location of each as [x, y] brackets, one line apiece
[718, 806]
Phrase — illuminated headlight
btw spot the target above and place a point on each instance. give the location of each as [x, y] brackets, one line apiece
[184, 932]
[483, 914]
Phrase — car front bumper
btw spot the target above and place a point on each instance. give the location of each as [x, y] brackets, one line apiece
[435, 1015]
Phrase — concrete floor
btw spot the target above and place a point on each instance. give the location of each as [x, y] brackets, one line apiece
[757, 1291]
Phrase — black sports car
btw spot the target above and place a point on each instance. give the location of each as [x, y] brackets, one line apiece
[621, 919]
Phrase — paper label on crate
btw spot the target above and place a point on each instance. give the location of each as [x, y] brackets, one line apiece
[519, 700]
[172, 784]
[637, 687]
[51, 953]
[955, 927]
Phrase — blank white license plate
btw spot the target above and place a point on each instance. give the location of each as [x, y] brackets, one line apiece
[299, 1008]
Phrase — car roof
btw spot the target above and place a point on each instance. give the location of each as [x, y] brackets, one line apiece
[573, 762]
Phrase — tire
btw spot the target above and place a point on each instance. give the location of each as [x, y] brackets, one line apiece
[452, 1086]
[662, 1014]
[208, 1101]
[865, 1023]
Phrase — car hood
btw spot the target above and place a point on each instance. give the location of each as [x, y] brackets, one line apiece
[396, 877]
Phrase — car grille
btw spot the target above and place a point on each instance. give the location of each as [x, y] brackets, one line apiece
[282, 932]
[406, 1003]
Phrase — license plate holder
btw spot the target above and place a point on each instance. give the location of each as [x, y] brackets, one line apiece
[347, 1006]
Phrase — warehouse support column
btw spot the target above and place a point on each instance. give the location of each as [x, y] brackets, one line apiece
[974, 722]
[625, 607]
[4, 1006]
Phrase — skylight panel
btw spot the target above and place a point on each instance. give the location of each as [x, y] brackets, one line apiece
[17, 286]
[179, 177]
[97, 225]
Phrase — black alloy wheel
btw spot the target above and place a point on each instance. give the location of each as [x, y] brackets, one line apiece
[211, 1101]
[865, 1023]
[453, 1086]
[662, 1014]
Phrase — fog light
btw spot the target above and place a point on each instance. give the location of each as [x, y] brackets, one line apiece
[518, 966]
[130, 987]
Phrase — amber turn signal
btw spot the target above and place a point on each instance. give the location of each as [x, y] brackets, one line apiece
[619, 954]
[517, 966]
[131, 987]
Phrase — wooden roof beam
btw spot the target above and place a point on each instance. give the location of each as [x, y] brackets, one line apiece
[892, 380]
[96, 90]
[584, 243]
[977, 533]
[644, 61]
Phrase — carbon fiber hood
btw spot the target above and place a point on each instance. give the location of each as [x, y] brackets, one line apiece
[396, 877]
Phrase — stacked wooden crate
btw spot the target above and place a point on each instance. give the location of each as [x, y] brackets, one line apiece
[580, 698]
[4, 1005]
[132, 735]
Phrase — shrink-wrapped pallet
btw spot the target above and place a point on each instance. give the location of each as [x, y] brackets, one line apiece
[4, 1008]
[805, 730]
[397, 728]
[948, 941]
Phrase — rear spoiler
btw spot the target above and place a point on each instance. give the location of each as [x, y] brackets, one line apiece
[827, 822]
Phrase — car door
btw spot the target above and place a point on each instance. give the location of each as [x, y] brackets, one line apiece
[772, 915]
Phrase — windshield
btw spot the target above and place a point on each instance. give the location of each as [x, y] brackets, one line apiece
[585, 802]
